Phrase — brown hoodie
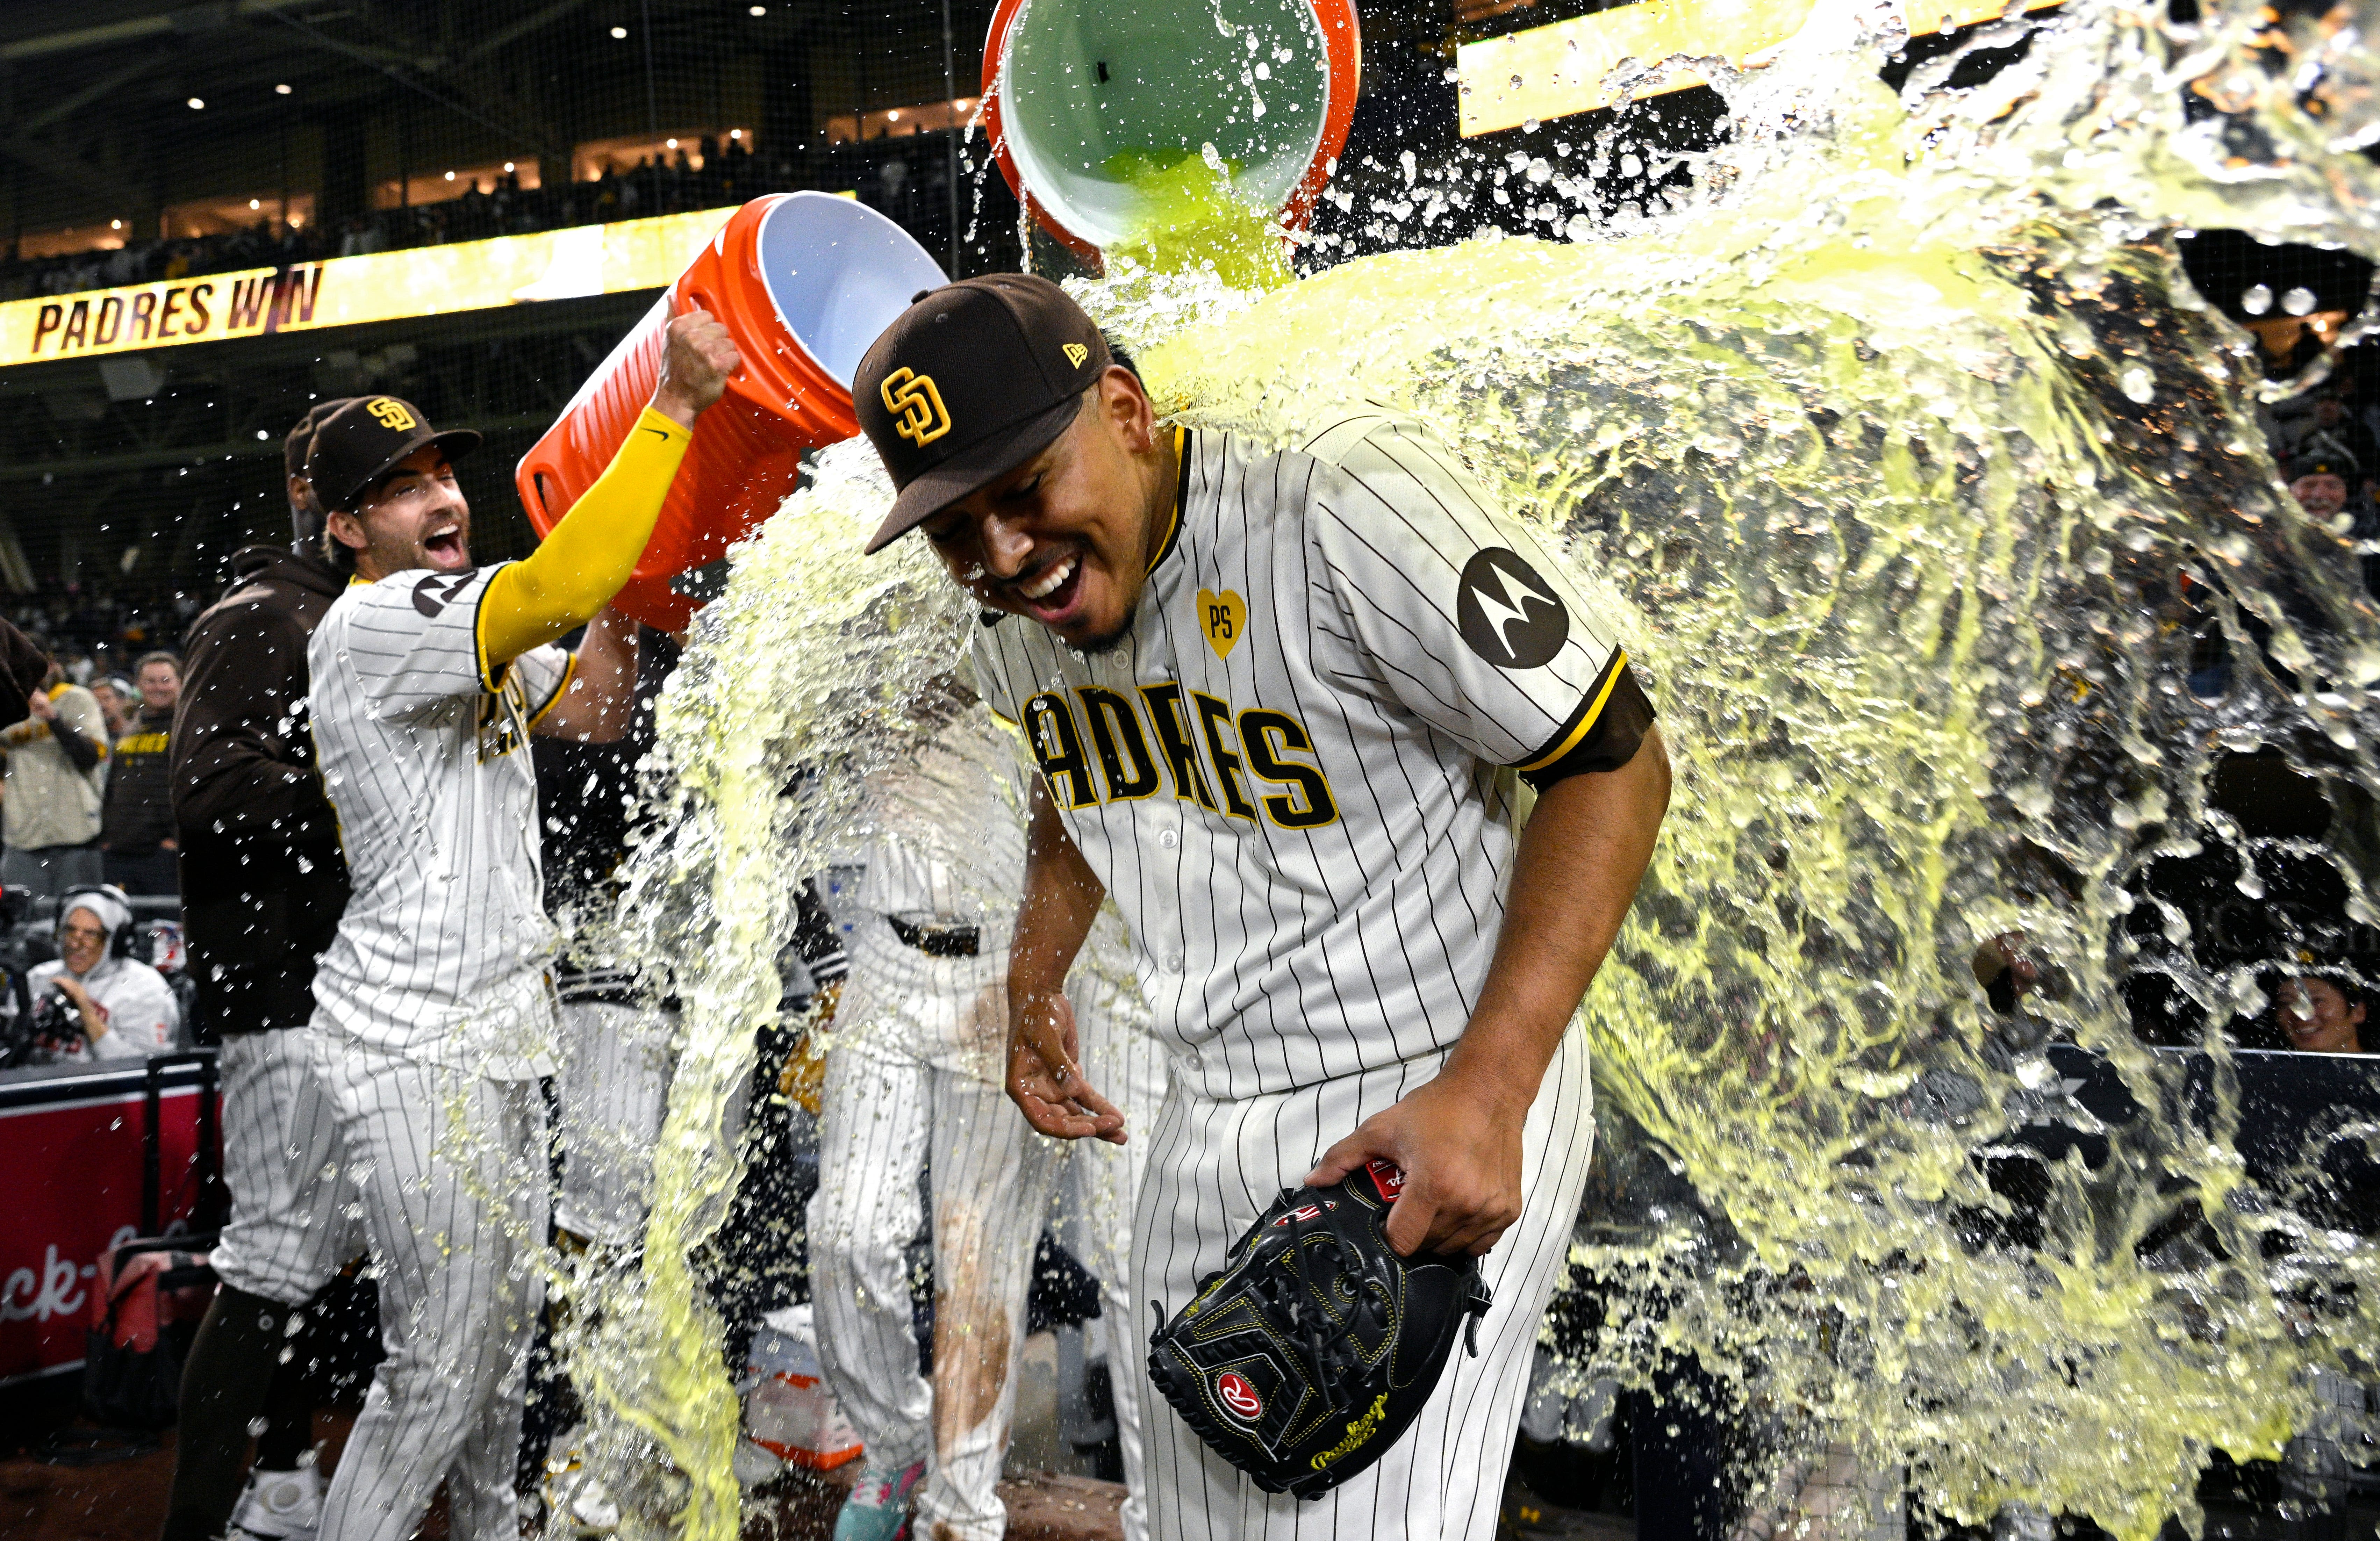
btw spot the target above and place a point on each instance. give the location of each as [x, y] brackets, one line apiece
[263, 882]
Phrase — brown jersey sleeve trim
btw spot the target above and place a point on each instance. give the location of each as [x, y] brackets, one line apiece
[1602, 734]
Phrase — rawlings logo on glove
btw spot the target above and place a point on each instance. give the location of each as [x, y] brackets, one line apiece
[1313, 1350]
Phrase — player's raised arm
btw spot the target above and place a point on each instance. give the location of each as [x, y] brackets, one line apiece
[1045, 1057]
[600, 697]
[585, 558]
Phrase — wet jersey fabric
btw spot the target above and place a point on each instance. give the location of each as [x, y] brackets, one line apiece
[1291, 773]
[443, 955]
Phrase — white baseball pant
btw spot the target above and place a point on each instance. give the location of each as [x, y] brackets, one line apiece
[613, 1090]
[293, 1226]
[451, 1169]
[1216, 1165]
[913, 1077]
[1127, 1063]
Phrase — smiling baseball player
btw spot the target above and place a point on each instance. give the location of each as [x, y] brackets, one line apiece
[1271, 696]
[434, 1010]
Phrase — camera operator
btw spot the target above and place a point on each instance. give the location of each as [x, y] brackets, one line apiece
[122, 1009]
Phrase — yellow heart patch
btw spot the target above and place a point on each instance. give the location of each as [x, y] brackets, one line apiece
[1224, 616]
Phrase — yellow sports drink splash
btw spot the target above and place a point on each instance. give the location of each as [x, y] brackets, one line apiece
[1901, 436]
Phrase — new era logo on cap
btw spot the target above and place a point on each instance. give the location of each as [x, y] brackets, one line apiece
[974, 378]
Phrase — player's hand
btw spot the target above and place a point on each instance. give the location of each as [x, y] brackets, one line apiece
[696, 358]
[1460, 1150]
[1045, 1072]
[39, 705]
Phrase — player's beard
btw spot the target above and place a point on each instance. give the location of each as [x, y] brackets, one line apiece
[1098, 647]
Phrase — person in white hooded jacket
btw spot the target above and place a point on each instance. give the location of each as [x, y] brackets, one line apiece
[126, 1010]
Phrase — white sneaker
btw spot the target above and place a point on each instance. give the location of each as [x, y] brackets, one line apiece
[279, 1506]
[573, 1493]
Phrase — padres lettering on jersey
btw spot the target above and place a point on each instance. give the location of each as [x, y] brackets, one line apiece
[1287, 775]
[442, 953]
[1270, 748]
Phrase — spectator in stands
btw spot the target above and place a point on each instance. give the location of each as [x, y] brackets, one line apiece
[123, 1007]
[2329, 486]
[136, 829]
[116, 697]
[55, 764]
[2322, 483]
[2323, 1014]
[2330, 430]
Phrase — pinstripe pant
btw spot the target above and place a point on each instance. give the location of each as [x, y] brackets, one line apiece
[910, 1080]
[614, 1091]
[290, 1231]
[451, 1168]
[1126, 1061]
[1214, 1167]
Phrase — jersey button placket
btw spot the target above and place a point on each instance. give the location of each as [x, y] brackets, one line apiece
[1163, 902]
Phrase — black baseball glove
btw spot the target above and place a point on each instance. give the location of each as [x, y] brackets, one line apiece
[1313, 1350]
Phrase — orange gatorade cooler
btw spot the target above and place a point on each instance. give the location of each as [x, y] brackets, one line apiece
[803, 282]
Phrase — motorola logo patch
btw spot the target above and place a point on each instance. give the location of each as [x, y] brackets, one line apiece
[434, 594]
[1508, 615]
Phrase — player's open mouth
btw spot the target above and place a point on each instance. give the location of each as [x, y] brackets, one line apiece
[1052, 593]
[445, 546]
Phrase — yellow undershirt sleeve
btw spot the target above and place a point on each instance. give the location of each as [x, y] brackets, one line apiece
[585, 557]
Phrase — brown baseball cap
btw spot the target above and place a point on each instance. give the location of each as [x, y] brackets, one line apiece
[363, 439]
[972, 381]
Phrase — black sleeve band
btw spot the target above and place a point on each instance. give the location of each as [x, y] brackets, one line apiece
[1610, 740]
[81, 753]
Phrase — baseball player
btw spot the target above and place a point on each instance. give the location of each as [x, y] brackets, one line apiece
[434, 1012]
[1272, 696]
[913, 1084]
[263, 884]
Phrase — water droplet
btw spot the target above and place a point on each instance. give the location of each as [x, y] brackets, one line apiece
[2298, 301]
[2256, 300]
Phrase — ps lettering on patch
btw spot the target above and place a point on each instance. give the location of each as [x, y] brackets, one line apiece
[1507, 613]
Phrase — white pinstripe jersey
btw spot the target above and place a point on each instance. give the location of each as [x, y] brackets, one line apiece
[1286, 775]
[443, 953]
[946, 832]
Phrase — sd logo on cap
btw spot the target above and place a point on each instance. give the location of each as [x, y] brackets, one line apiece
[974, 378]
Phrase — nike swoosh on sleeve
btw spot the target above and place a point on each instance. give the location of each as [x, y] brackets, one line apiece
[656, 433]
